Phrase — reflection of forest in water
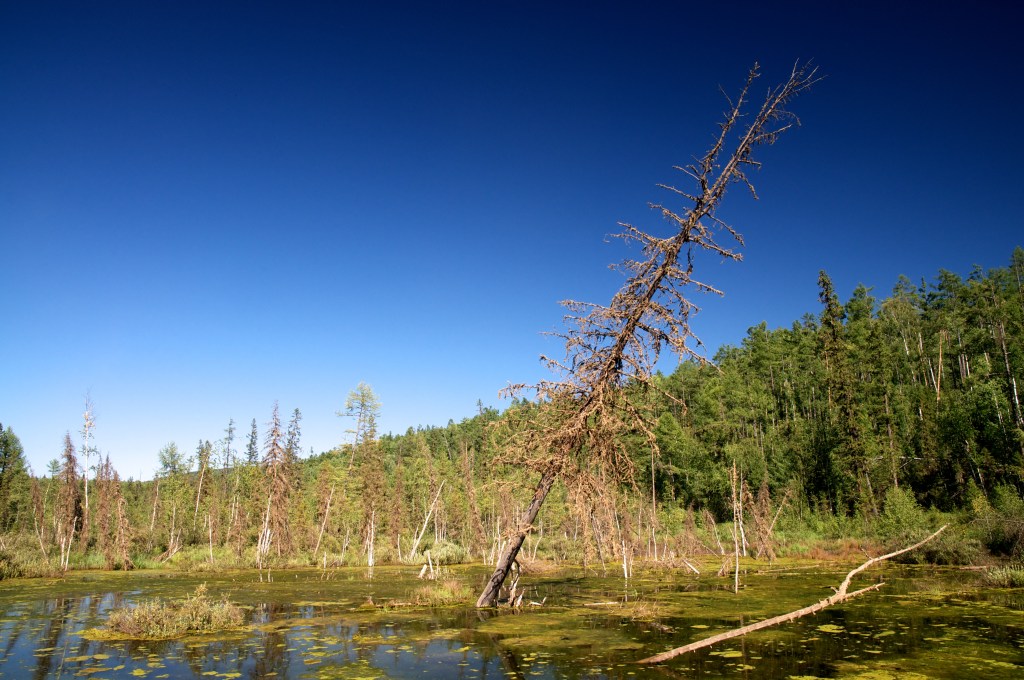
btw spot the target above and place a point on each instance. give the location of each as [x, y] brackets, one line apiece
[935, 623]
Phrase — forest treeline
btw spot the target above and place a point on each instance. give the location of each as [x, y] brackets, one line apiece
[863, 413]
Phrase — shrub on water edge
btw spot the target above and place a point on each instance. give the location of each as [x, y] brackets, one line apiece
[145, 561]
[824, 523]
[158, 619]
[9, 568]
[902, 521]
[954, 546]
[92, 559]
[386, 554]
[1008, 531]
[794, 535]
[1010, 576]
[22, 559]
[446, 552]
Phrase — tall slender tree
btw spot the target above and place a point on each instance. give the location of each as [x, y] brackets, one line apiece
[14, 479]
[68, 511]
[291, 445]
[252, 449]
[363, 406]
[229, 438]
[278, 480]
[88, 425]
[849, 464]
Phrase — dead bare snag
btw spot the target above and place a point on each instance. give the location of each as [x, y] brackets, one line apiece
[840, 595]
[577, 434]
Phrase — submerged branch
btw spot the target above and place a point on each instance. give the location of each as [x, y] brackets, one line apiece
[840, 595]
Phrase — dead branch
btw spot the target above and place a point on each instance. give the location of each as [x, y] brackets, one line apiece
[587, 409]
[840, 595]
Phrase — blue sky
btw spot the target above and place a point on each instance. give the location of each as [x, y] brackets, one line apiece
[209, 207]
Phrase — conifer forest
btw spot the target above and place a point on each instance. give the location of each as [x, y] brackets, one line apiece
[860, 419]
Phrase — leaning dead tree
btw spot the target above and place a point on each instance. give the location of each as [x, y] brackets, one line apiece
[577, 434]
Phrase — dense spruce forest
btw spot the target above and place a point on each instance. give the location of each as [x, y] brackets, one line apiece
[865, 419]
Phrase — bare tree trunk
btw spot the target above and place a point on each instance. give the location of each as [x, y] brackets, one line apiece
[426, 521]
[371, 540]
[39, 535]
[323, 525]
[1017, 416]
[156, 500]
[263, 543]
[735, 532]
[489, 596]
[199, 494]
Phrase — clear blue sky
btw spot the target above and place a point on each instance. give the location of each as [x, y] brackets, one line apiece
[209, 206]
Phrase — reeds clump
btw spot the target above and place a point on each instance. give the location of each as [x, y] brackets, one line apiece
[441, 593]
[158, 619]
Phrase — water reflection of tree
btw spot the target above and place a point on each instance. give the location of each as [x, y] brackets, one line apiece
[7, 632]
[220, 655]
[274, 660]
[56, 612]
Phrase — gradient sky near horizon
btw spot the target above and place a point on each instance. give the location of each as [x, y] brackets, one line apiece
[209, 207]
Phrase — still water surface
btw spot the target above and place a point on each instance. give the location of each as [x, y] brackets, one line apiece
[924, 623]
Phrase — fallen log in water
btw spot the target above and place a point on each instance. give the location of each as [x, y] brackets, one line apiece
[840, 595]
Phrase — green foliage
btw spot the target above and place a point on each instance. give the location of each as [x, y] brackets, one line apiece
[1000, 524]
[160, 620]
[13, 478]
[957, 545]
[903, 521]
[9, 567]
[829, 525]
[447, 552]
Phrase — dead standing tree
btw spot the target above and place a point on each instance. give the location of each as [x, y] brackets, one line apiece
[576, 435]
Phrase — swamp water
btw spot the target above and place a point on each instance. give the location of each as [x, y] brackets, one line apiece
[924, 623]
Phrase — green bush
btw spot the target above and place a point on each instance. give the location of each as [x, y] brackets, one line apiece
[902, 521]
[827, 524]
[999, 524]
[446, 552]
[9, 567]
[386, 554]
[22, 558]
[159, 620]
[954, 546]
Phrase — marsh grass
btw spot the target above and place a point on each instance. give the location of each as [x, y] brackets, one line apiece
[641, 610]
[442, 593]
[158, 619]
